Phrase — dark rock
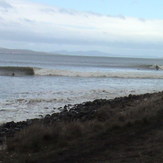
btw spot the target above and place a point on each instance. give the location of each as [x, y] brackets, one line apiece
[10, 125]
[78, 112]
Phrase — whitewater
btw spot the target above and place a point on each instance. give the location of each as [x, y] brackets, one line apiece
[34, 85]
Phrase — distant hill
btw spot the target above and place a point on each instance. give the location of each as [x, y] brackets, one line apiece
[62, 52]
[86, 53]
[19, 51]
[73, 53]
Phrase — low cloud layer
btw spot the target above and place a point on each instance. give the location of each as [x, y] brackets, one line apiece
[25, 23]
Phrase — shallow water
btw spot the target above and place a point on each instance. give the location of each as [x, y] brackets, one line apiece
[62, 80]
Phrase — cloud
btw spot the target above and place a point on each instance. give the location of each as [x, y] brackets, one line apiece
[4, 5]
[36, 23]
[48, 10]
[26, 20]
[65, 11]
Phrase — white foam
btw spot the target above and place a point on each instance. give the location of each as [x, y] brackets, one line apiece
[160, 67]
[22, 109]
[111, 73]
[99, 74]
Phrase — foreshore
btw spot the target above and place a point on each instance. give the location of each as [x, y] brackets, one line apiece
[125, 129]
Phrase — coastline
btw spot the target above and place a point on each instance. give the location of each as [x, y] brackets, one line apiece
[122, 123]
[84, 111]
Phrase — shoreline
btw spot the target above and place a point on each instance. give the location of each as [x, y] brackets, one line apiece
[82, 111]
[124, 128]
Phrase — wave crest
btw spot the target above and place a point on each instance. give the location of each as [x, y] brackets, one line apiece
[16, 71]
[99, 74]
[141, 74]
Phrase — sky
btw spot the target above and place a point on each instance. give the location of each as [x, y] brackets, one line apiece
[134, 8]
[117, 27]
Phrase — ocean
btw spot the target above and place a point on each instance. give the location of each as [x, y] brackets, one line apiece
[34, 85]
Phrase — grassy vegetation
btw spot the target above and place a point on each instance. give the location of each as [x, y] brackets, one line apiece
[129, 131]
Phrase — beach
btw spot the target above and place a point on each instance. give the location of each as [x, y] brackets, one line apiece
[120, 130]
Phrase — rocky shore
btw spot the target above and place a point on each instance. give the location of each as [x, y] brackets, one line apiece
[78, 112]
[123, 129]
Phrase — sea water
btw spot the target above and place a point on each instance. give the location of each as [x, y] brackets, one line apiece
[61, 80]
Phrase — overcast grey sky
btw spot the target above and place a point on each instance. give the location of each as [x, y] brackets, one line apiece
[42, 26]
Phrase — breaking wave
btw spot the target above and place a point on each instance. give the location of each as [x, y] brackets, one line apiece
[141, 74]
[16, 71]
[99, 74]
[155, 67]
